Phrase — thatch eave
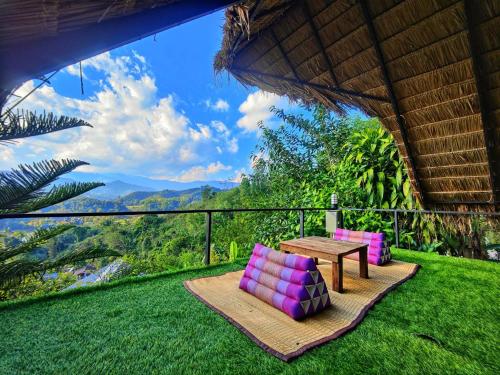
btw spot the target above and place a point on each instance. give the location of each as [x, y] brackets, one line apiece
[429, 70]
[40, 37]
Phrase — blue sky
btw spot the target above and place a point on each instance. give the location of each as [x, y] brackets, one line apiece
[157, 108]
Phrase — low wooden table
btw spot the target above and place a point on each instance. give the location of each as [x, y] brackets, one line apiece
[332, 250]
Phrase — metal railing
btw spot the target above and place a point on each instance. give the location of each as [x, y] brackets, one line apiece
[210, 212]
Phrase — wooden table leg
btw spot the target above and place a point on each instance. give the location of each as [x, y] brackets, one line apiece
[363, 263]
[337, 275]
[316, 261]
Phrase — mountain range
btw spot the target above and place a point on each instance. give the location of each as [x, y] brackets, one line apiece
[119, 185]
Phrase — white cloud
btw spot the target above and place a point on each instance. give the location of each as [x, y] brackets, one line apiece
[142, 59]
[256, 109]
[238, 175]
[6, 156]
[132, 126]
[200, 173]
[225, 136]
[135, 130]
[233, 145]
[203, 132]
[187, 154]
[74, 70]
[220, 105]
[220, 127]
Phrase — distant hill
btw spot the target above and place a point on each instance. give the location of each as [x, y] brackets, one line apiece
[136, 197]
[115, 189]
[147, 184]
[86, 204]
[139, 200]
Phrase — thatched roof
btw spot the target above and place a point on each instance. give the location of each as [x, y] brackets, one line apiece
[41, 36]
[429, 69]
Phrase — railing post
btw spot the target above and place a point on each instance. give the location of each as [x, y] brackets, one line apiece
[396, 228]
[208, 237]
[341, 219]
[301, 219]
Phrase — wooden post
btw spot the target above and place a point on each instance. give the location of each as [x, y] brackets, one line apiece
[396, 228]
[208, 237]
[363, 263]
[337, 275]
[301, 220]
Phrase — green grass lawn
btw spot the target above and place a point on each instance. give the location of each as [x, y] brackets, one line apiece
[154, 325]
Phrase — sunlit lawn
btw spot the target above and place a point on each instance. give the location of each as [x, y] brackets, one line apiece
[444, 320]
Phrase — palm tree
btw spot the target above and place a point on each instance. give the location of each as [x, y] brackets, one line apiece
[30, 188]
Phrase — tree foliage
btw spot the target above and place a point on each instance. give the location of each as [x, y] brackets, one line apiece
[22, 189]
[28, 124]
[27, 189]
[304, 160]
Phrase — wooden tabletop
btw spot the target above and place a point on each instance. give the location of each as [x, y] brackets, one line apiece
[321, 247]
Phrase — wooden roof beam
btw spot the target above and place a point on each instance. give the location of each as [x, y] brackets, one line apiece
[319, 42]
[294, 70]
[283, 54]
[273, 10]
[488, 126]
[336, 90]
[291, 66]
[392, 96]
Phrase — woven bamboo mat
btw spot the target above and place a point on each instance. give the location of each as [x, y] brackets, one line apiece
[279, 334]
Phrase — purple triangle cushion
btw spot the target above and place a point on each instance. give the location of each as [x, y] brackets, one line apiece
[378, 251]
[291, 283]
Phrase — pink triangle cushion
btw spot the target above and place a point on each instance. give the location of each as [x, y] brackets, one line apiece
[291, 283]
[378, 251]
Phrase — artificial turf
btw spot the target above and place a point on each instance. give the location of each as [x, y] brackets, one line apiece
[444, 320]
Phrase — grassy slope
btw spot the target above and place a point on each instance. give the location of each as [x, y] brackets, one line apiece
[156, 326]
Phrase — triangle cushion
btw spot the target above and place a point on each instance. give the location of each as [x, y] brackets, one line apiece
[378, 250]
[291, 283]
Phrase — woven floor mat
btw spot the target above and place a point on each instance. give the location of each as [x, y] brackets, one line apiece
[284, 337]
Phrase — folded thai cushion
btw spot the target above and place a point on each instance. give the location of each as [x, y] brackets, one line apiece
[291, 283]
[378, 251]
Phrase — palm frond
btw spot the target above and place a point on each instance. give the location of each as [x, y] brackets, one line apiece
[80, 253]
[11, 273]
[55, 195]
[21, 188]
[34, 241]
[28, 124]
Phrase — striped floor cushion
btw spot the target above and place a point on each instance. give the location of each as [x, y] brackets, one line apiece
[378, 251]
[291, 283]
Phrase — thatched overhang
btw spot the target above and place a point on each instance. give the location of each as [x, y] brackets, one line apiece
[429, 69]
[40, 36]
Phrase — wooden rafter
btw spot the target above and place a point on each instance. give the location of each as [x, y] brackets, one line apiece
[256, 35]
[319, 42]
[273, 10]
[289, 63]
[316, 86]
[283, 53]
[392, 97]
[488, 126]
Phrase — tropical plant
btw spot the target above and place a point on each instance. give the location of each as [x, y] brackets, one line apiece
[31, 188]
[233, 251]
[25, 189]
[305, 159]
[28, 124]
